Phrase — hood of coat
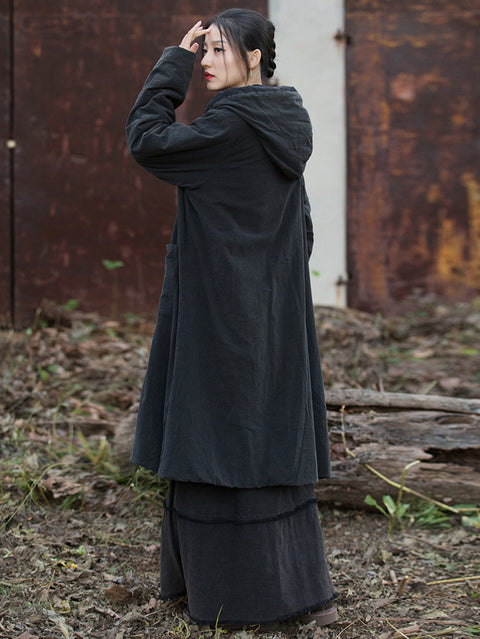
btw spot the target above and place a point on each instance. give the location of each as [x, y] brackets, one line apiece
[279, 119]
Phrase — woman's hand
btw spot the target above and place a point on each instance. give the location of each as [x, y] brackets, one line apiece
[195, 32]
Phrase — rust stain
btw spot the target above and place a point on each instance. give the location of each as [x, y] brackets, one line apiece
[406, 86]
[434, 194]
[413, 202]
[459, 120]
[393, 42]
[458, 257]
[450, 250]
[403, 87]
[473, 192]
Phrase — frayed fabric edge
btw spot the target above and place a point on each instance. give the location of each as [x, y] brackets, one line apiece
[166, 598]
[303, 611]
[237, 522]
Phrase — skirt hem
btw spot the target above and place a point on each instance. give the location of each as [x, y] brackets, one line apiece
[166, 598]
[228, 622]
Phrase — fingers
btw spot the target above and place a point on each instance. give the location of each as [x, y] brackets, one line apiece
[197, 29]
[192, 34]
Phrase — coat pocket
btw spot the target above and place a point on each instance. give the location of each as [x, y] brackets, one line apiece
[170, 281]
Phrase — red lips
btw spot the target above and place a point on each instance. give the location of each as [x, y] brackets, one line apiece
[208, 76]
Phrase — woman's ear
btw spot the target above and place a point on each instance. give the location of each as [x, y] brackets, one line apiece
[254, 58]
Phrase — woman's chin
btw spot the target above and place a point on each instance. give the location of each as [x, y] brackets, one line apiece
[213, 85]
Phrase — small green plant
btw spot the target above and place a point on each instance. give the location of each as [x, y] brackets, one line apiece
[395, 513]
[31, 485]
[218, 630]
[470, 515]
[146, 486]
[430, 515]
[423, 514]
[181, 630]
[44, 373]
[71, 502]
[71, 305]
[470, 351]
[113, 266]
[99, 457]
[428, 388]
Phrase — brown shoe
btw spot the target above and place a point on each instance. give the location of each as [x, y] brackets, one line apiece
[322, 616]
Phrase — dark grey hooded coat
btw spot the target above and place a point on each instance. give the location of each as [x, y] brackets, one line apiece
[233, 393]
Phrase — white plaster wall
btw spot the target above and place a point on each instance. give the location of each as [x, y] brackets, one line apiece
[310, 59]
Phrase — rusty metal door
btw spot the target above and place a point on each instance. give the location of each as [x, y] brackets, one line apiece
[5, 152]
[79, 198]
[413, 92]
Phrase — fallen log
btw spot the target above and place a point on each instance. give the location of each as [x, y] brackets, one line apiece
[353, 397]
[446, 445]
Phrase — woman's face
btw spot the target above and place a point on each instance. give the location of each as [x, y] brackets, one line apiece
[222, 65]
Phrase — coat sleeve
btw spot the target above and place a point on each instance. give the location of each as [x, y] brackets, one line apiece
[175, 152]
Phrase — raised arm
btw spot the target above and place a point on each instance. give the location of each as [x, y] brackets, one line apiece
[174, 152]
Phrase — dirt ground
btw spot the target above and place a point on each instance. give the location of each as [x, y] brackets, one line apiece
[80, 529]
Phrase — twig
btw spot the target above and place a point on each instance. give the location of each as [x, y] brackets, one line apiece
[438, 622]
[397, 630]
[399, 497]
[370, 630]
[115, 542]
[427, 635]
[352, 623]
[453, 581]
[438, 633]
[440, 504]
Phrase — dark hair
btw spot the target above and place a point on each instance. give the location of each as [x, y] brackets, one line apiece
[247, 30]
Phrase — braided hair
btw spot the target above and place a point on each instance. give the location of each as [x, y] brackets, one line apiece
[247, 30]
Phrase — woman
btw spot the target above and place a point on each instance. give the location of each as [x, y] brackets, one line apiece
[232, 408]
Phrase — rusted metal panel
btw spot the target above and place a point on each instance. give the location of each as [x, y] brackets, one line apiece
[79, 197]
[4, 164]
[413, 149]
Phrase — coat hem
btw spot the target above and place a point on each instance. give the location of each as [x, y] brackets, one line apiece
[227, 484]
[281, 481]
[236, 522]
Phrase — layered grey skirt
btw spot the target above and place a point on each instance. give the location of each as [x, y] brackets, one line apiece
[243, 555]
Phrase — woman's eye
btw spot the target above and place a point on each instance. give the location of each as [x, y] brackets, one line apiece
[217, 49]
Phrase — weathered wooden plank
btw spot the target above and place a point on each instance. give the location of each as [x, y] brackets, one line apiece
[414, 176]
[353, 397]
[446, 445]
[79, 197]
